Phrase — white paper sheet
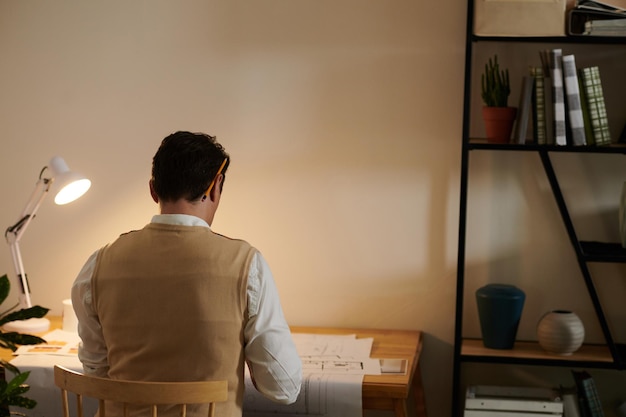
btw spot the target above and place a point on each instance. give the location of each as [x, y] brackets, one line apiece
[337, 354]
[59, 341]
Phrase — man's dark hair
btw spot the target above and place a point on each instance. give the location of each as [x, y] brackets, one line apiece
[185, 164]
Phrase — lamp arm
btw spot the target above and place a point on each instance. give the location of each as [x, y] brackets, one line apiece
[15, 232]
[24, 298]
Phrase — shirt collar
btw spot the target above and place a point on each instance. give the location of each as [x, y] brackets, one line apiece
[179, 219]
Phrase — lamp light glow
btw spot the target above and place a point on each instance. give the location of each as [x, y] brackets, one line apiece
[70, 186]
[72, 191]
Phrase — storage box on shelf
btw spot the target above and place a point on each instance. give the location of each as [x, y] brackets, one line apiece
[519, 18]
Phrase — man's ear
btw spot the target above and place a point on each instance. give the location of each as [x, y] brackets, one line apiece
[216, 191]
[154, 195]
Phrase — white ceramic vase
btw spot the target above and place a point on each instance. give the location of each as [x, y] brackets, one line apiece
[561, 332]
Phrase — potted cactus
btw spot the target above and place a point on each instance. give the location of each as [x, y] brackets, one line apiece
[495, 90]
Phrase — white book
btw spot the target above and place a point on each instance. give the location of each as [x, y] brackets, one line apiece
[513, 399]
[513, 404]
[606, 31]
[570, 405]
[606, 23]
[574, 107]
[613, 6]
[558, 97]
[488, 413]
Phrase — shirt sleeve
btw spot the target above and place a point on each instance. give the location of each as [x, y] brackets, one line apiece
[92, 350]
[270, 352]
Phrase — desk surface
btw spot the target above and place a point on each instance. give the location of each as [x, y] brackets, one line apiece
[388, 344]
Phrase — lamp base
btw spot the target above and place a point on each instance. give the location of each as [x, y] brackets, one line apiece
[28, 326]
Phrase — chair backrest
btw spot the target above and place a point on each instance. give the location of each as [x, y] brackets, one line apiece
[149, 394]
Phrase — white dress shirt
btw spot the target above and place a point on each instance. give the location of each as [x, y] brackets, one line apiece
[269, 349]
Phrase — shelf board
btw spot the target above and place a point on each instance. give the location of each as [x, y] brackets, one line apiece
[523, 352]
[579, 39]
[603, 252]
[482, 144]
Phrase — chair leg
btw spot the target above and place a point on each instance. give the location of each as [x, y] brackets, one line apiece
[79, 405]
[66, 407]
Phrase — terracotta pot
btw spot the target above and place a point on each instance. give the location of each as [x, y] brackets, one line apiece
[499, 123]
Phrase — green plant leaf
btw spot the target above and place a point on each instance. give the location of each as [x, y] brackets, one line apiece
[8, 367]
[24, 314]
[23, 402]
[16, 382]
[21, 338]
[11, 392]
[7, 344]
[19, 390]
[495, 84]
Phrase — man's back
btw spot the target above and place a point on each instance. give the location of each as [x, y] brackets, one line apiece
[172, 305]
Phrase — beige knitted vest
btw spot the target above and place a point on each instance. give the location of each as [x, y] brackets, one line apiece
[172, 304]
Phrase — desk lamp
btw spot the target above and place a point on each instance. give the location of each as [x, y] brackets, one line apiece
[68, 186]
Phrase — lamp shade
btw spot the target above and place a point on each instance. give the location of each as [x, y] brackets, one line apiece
[67, 185]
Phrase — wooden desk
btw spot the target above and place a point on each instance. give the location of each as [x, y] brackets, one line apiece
[380, 392]
[388, 392]
[56, 322]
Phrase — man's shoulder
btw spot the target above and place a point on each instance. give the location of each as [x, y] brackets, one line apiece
[232, 240]
[130, 232]
[199, 231]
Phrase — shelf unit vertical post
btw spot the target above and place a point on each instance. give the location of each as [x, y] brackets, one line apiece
[458, 331]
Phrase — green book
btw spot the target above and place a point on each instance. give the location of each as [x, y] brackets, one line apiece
[604, 119]
[539, 106]
[596, 106]
[591, 140]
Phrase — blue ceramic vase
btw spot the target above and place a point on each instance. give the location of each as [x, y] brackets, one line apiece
[499, 311]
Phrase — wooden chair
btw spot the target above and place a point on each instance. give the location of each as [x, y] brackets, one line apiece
[149, 394]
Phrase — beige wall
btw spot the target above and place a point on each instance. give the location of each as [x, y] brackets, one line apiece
[342, 119]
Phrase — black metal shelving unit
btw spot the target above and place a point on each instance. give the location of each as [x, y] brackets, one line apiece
[609, 356]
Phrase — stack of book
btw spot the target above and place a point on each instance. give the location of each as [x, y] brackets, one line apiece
[563, 104]
[608, 27]
[598, 18]
[588, 399]
[502, 401]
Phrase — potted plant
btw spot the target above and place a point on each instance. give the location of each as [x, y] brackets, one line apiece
[495, 90]
[11, 392]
